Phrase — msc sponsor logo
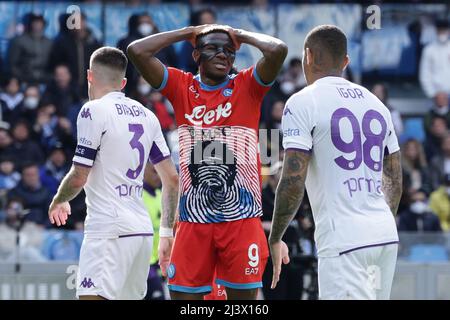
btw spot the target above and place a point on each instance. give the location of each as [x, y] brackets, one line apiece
[291, 133]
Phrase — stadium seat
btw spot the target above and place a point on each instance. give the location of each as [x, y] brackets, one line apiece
[413, 129]
[428, 253]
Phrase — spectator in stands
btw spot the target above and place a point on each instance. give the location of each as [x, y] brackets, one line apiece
[6, 144]
[418, 217]
[156, 102]
[439, 109]
[290, 286]
[203, 16]
[35, 196]
[440, 164]
[62, 92]
[292, 79]
[414, 166]
[139, 26]
[9, 177]
[30, 103]
[54, 169]
[17, 219]
[440, 202]
[29, 53]
[11, 100]
[51, 130]
[433, 141]
[381, 92]
[434, 69]
[23, 148]
[74, 48]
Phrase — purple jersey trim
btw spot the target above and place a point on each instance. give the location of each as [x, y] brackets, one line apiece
[368, 246]
[156, 155]
[301, 150]
[136, 235]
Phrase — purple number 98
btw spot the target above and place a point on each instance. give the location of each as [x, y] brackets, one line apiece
[363, 151]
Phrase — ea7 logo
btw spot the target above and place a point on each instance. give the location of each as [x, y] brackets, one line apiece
[86, 113]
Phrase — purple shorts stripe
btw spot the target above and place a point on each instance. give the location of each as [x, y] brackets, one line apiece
[136, 235]
[301, 150]
[81, 164]
[368, 246]
[85, 152]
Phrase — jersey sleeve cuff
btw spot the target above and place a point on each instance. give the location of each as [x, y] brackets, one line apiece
[297, 144]
[82, 162]
[164, 81]
[258, 79]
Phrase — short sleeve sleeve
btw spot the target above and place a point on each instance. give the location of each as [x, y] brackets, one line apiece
[297, 124]
[391, 138]
[91, 124]
[256, 87]
[159, 150]
[172, 81]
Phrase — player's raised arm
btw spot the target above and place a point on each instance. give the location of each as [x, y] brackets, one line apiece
[392, 180]
[288, 198]
[142, 52]
[274, 52]
[169, 178]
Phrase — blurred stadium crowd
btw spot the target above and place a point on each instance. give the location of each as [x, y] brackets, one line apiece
[43, 86]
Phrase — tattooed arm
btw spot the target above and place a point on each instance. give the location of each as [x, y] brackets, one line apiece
[169, 177]
[69, 188]
[288, 198]
[392, 180]
[290, 191]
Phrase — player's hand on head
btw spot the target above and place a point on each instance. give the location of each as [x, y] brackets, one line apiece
[59, 212]
[164, 251]
[279, 253]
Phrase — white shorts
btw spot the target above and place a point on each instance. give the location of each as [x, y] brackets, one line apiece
[362, 274]
[114, 268]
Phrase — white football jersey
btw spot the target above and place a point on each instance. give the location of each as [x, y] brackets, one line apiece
[348, 132]
[116, 137]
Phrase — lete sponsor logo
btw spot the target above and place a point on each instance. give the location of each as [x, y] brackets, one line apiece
[200, 116]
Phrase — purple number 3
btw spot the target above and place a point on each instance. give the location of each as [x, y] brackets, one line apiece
[138, 131]
[362, 150]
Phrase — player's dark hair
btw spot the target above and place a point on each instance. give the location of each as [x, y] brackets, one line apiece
[110, 57]
[330, 40]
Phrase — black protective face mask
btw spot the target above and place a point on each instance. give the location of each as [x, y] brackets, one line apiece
[214, 47]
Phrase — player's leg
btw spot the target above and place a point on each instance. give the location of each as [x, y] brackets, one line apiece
[242, 257]
[192, 262]
[387, 262]
[135, 286]
[241, 294]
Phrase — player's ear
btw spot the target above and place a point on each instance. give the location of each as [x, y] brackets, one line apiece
[308, 57]
[123, 84]
[89, 75]
[346, 62]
